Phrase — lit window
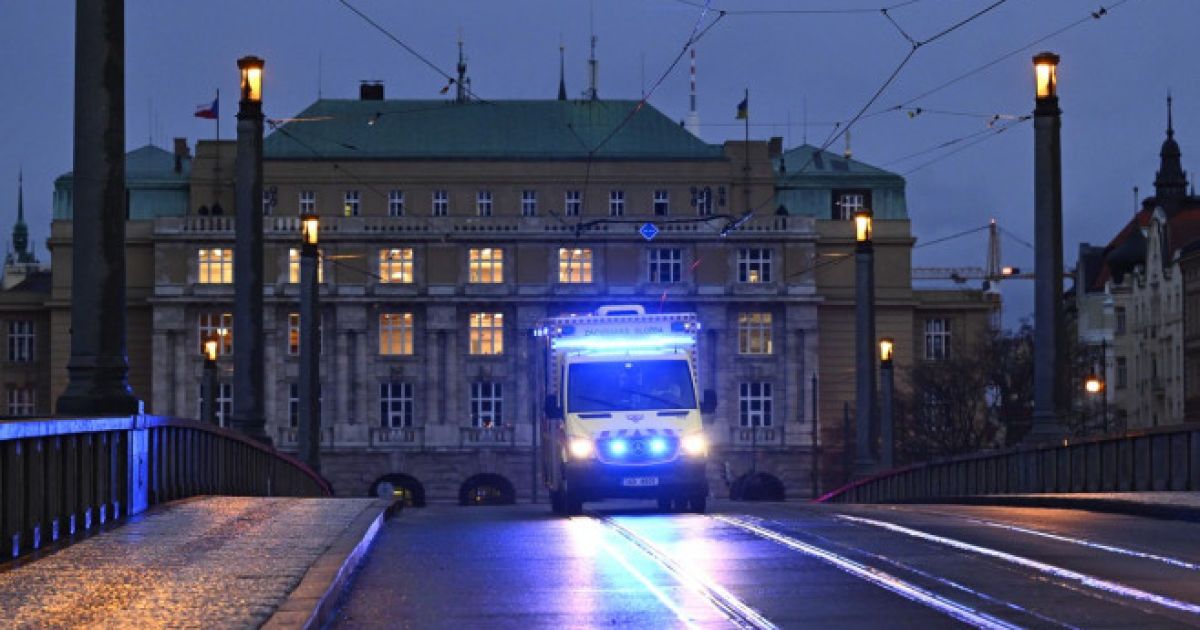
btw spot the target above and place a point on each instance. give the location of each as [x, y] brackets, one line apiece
[395, 203]
[662, 203]
[573, 203]
[21, 340]
[666, 265]
[395, 334]
[224, 403]
[308, 202]
[529, 203]
[616, 203]
[20, 401]
[754, 265]
[574, 265]
[483, 203]
[487, 333]
[396, 265]
[754, 401]
[218, 327]
[216, 266]
[294, 266]
[486, 265]
[937, 338]
[487, 398]
[395, 405]
[754, 333]
[294, 334]
[350, 203]
[441, 203]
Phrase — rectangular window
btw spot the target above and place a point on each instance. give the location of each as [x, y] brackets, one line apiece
[666, 265]
[350, 203]
[573, 203]
[395, 334]
[441, 203]
[294, 266]
[20, 401]
[395, 203]
[294, 334]
[293, 405]
[396, 265]
[483, 203]
[754, 265]
[21, 340]
[574, 265]
[937, 339]
[487, 333]
[847, 202]
[268, 202]
[224, 403]
[702, 199]
[395, 405]
[662, 203]
[218, 327]
[216, 266]
[754, 333]
[529, 203]
[1120, 317]
[308, 202]
[1122, 373]
[485, 265]
[487, 399]
[754, 402]
[616, 203]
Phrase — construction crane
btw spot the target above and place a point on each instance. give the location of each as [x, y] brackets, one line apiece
[990, 275]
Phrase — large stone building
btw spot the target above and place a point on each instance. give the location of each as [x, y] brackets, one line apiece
[24, 320]
[449, 228]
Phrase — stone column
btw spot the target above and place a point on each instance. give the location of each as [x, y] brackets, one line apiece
[98, 369]
[864, 353]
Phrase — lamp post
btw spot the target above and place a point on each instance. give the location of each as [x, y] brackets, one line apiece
[1049, 357]
[310, 339]
[249, 414]
[864, 336]
[887, 386]
[208, 412]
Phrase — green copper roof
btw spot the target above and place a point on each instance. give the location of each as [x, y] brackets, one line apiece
[150, 164]
[483, 130]
[814, 161]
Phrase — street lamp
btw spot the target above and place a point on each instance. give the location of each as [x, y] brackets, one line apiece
[1093, 384]
[1049, 355]
[249, 359]
[864, 346]
[309, 442]
[886, 392]
[208, 412]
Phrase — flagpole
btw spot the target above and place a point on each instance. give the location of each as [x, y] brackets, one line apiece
[746, 151]
[217, 168]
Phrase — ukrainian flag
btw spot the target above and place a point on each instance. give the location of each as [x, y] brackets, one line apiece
[743, 110]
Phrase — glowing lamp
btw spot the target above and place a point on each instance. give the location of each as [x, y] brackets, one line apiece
[695, 444]
[252, 73]
[1093, 384]
[617, 448]
[886, 345]
[210, 349]
[1009, 271]
[310, 228]
[862, 226]
[1045, 69]
[580, 448]
[658, 446]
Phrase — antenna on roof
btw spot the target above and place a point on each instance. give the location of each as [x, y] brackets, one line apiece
[463, 83]
[693, 117]
[592, 92]
[562, 78]
[319, 60]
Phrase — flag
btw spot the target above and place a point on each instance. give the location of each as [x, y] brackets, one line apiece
[743, 111]
[210, 111]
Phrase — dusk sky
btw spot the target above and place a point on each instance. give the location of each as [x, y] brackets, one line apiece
[1114, 77]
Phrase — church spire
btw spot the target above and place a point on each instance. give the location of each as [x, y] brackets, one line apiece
[20, 235]
[1170, 183]
[562, 76]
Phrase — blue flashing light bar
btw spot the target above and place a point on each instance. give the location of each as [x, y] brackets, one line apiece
[658, 446]
[617, 448]
[623, 343]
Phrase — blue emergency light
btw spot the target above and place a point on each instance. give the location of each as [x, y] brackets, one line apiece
[622, 342]
[658, 446]
[617, 447]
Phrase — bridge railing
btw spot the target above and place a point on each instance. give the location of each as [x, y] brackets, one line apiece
[1145, 460]
[63, 477]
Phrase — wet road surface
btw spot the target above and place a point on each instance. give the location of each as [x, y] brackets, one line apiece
[790, 565]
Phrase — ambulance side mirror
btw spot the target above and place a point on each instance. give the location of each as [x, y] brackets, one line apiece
[708, 404]
[553, 410]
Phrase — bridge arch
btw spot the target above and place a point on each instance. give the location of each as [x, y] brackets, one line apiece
[404, 487]
[487, 489]
[757, 486]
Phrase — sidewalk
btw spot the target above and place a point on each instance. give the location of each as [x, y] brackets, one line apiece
[205, 562]
[1170, 505]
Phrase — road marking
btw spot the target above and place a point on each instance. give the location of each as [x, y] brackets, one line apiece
[1067, 574]
[737, 611]
[909, 591]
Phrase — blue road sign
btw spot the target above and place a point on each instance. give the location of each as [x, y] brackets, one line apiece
[648, 231]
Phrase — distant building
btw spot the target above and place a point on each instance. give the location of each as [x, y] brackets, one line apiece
[25, 324]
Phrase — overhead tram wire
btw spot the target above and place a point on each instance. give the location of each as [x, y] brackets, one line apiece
[993, 133]
[950, 143]
[803, 11]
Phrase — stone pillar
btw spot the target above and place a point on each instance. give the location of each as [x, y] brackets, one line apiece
[433, 378]
[864, 353]
[309, 442]
[98, 369]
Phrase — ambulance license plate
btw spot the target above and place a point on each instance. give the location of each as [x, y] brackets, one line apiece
[640, 481]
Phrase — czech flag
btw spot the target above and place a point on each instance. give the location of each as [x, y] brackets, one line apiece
[210, 111]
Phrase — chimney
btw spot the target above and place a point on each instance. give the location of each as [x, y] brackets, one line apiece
[181, 153]
[775, 146]
[370, 91]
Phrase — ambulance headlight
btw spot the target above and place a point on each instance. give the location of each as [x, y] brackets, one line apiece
[695, 444]
[581, 448]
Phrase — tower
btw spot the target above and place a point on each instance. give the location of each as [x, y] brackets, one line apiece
[1170, 183]
[463, 83]
[562, 77]
[693, 117]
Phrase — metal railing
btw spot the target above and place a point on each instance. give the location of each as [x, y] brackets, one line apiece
[63, 477]
[487, 436]
[1166, 458]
